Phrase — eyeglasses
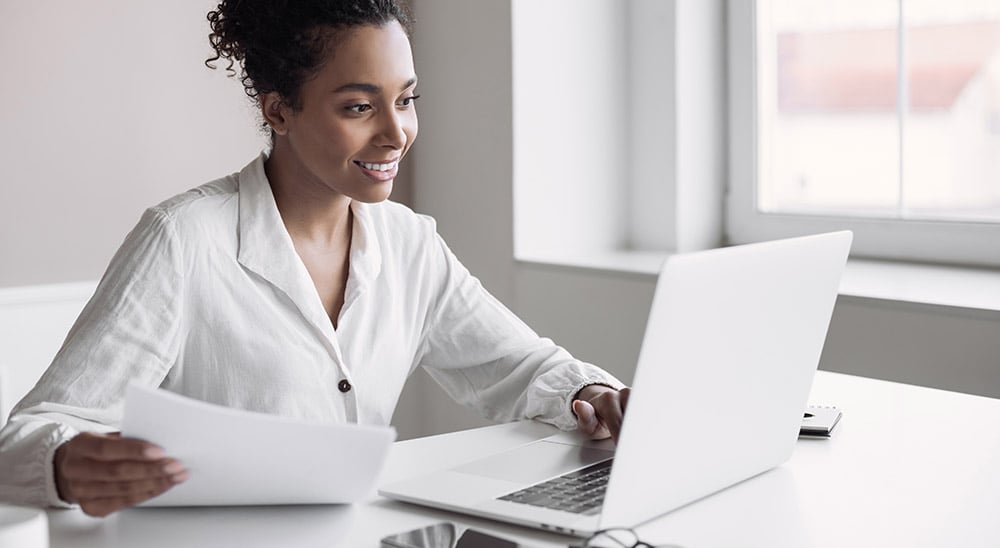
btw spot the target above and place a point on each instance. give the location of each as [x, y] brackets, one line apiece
[620, 537]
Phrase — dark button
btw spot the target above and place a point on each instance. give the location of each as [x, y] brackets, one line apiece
[344, 386]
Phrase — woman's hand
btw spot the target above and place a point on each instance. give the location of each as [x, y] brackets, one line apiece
[599, 411]
[104, 473]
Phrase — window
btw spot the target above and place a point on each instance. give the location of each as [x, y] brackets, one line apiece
[882, 116]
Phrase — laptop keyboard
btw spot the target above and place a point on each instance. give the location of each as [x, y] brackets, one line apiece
[580, 492]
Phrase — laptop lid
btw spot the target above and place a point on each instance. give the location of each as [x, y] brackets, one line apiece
[732, 343]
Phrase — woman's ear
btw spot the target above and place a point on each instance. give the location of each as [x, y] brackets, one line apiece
[276, 112]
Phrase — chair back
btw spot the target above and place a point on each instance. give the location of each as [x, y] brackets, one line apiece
[34, 321]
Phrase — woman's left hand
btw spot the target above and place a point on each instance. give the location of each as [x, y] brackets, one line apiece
[599, 411]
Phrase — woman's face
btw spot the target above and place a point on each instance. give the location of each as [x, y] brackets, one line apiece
[358, 116]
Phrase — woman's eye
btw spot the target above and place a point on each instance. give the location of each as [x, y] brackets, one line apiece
[409, 100]
[359, 109]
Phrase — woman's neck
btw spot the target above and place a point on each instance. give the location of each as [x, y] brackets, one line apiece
[310, 210]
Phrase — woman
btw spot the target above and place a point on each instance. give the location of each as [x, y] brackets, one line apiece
[292, 287]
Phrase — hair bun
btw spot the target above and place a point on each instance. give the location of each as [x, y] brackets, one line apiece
[279, 44]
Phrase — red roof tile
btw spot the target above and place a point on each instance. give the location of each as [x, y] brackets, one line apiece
[856, 70]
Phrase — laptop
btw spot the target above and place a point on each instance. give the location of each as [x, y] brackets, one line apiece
[732, 343]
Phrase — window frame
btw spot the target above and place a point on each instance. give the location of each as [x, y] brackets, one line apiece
[972, 243]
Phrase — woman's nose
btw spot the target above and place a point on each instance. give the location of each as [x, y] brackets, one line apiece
[393, 132]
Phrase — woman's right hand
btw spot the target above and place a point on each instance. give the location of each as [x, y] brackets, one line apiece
[104, 473]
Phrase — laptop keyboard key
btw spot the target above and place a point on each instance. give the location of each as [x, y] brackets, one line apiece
[580, 492]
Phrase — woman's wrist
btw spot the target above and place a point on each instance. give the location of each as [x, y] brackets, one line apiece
[57, 461]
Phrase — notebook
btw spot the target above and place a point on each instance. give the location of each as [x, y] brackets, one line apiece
[819, 421]
[733, 328]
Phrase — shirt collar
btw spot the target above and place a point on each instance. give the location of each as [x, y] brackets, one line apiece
[266, 248]
[366, 253]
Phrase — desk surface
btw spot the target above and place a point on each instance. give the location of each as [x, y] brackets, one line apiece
[907, 466]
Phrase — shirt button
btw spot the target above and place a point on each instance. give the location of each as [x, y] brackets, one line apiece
[344, 386]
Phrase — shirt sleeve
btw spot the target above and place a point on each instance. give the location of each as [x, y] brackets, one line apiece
[127, 332]
[485, 357]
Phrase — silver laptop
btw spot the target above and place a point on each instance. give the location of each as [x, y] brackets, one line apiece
[732, 342]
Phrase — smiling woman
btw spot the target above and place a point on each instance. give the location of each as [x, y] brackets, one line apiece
[348, 136]
[293, 287]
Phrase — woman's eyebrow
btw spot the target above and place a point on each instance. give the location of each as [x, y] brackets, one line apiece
[366, 88]
[370, 88]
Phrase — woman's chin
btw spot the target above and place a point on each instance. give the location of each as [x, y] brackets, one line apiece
[375, 193]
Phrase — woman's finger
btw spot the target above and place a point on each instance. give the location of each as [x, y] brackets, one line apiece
[100, 507]
[90, 490]
[587, 421]
[112, 448]
[609, 411]
[97, 470]
[624, 394]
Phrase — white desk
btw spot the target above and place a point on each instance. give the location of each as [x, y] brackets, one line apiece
[907, 466]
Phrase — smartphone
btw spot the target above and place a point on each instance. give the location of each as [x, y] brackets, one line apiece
[446, 535]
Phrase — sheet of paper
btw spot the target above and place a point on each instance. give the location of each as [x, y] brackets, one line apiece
[239, 457]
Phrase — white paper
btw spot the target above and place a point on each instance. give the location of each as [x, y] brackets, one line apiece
[240, 457]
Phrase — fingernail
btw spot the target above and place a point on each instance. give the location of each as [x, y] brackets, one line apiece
[179, 478]
[153, 452]
[173, 467]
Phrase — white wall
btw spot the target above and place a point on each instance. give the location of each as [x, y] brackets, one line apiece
[107, 109]
[571, 118]
[633, 155]
[462, 55]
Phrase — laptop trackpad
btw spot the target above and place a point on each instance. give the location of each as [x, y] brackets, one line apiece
[535, 462]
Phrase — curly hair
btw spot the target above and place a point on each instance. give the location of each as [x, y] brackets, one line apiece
[280, 44]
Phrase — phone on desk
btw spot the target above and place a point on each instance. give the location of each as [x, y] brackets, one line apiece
[446, 535]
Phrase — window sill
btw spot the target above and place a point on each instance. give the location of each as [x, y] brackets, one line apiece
[929, 284]
[632, 264]
[942, 286]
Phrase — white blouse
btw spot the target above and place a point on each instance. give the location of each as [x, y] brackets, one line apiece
[208, 298]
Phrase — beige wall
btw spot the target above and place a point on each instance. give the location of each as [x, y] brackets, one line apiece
[107, 109]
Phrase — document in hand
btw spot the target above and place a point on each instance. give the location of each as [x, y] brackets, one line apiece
[239, 457]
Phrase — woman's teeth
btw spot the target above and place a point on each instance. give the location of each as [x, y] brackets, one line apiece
[377, 167]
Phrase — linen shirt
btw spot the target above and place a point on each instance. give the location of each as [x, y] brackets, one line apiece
[208, 298]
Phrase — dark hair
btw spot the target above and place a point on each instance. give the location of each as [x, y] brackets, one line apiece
[280, 44]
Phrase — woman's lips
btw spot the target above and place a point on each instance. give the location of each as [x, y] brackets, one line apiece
[379, 171]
